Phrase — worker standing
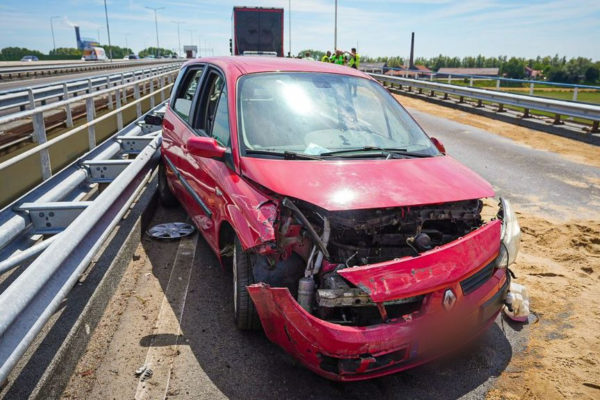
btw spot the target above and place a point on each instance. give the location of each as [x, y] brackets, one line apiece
[326, 57]
[354, 59]
[337, 58]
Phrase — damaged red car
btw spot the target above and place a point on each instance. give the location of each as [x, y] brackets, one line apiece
[357, 244]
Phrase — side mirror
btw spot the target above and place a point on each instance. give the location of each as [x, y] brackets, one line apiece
[153, 119]
[205, 147]
[438, 145]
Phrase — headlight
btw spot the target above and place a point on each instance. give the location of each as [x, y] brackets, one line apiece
[510, 237]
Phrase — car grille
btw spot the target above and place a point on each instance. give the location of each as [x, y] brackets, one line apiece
[475, 281]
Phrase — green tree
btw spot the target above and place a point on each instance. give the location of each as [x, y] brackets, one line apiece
[514, 68]
[16, 53]
[155, 52]
[592, 73]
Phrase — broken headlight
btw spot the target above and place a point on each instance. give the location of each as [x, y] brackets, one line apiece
[510, 237]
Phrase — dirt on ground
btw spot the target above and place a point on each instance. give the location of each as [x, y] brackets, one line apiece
[559, 263]
[575, 151]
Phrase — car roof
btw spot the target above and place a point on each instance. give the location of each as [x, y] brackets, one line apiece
[243, 65]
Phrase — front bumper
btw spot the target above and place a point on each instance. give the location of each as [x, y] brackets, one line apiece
[348, 353]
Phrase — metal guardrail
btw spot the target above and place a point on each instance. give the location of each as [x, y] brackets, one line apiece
[33, 70]
[557, 107]
[56, 206]
[30, 96]
[39, 130]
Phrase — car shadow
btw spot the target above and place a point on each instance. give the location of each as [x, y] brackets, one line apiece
[246, 365]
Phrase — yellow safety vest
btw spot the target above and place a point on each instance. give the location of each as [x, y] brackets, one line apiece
[325, 58]
[354, 61]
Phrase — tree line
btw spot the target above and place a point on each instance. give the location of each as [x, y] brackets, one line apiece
[72, 53]
[554, 69]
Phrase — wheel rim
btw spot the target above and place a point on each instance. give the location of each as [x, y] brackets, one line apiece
[235, 305]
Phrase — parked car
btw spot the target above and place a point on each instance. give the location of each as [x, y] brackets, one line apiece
[29, 58]
[353, 239]
[133, 57]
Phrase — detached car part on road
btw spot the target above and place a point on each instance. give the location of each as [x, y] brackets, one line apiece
[355, 242]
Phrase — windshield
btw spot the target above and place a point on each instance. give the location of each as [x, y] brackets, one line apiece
[318, 113]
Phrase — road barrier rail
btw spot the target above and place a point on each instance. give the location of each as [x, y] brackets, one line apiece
[30, 71]
[29, 97]
[558, 108]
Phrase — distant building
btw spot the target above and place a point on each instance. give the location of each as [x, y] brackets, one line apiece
[533, 73]
[374, 68]
[444, 72]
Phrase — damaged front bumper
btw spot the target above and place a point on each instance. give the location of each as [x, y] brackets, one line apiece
[464, 268]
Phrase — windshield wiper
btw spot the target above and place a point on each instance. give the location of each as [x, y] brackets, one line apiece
[286, 155]
[384, 150]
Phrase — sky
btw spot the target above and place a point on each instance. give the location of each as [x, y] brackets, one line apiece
[518, 28]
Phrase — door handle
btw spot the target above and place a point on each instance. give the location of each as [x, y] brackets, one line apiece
[168, 125]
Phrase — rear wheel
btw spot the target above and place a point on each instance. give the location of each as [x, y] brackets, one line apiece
[167, 198]
[245, 314]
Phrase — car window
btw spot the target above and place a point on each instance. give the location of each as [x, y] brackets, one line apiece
[214, 112]
[182, 103]
[317, 113]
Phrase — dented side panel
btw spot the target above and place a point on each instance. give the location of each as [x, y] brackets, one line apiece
[430, 271]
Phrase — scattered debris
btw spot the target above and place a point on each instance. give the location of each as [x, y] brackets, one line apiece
[88, 372]
[517, 303]
[144, 372]
[170, 230]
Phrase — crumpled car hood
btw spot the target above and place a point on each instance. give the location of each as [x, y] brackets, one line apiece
[362, 184]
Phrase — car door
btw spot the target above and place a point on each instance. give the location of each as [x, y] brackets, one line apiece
[177, 124]
[206, 176]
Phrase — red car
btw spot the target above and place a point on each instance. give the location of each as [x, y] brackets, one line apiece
[355, 242]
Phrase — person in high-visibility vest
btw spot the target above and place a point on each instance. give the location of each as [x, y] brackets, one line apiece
[337, 58]
[326, 57]
[354, 59]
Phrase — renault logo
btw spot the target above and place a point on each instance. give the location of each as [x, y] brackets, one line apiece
[449, 299]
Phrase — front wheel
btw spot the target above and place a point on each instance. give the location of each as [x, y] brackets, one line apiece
[245, 314]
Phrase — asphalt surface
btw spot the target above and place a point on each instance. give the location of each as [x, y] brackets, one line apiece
[215, 360]
[538, 181]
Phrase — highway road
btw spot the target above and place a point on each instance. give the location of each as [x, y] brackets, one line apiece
[173, 307]
[196, 351]
[13, 84]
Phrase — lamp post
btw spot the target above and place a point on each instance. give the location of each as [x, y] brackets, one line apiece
[155, 9]
[108, 32]
[335, 31]
[179, 51]
[290, 27]
[52, 29]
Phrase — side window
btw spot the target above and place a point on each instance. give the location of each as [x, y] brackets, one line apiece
[182, 103]
[214, 115]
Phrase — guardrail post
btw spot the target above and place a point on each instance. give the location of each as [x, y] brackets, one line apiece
[461, 99]
[136, 96]
[124, 90]
[90, 112]
[531, 89]
[31, 99]
[595, 126]
[68, 106]
[497, 83]
[152, 92]
[557, 120]
[162, 88]
[500, 108]
[575, 93]
[432, 94]
[118, 105]
[445, 96]
[109, 95]
[39, 136]
[431, 77]
[449, 79]
[89, 89]
[471, 81]
[479, 103]
[526, 113]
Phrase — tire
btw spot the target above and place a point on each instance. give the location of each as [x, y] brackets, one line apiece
[245, 315]
[167, 198]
